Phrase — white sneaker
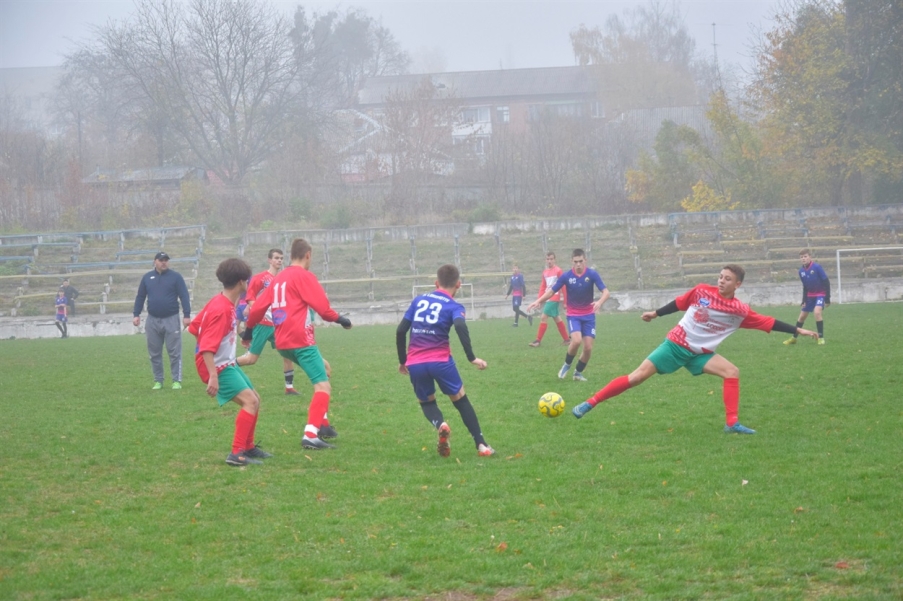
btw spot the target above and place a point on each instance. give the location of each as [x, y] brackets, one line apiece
[563, 371]
[485, 451]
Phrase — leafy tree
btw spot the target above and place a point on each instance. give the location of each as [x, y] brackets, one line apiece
[664, 179]
[821, 111]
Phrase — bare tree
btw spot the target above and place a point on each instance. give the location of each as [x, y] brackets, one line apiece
[222, 73]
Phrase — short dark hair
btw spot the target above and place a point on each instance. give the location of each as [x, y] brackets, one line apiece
[805, 251]
[736, 270]
[273, 251]
[300, 247]
[578, 252]
[448, 275]
[550, 254]
[232, 271]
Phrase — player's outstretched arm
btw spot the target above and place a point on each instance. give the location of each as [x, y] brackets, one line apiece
[808, 333]
[481, 365]
[649, 315]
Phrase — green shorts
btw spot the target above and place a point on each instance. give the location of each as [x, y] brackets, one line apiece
[231, 382]
[260, 336]
[551, 308]
[669, 357]
[310, 360]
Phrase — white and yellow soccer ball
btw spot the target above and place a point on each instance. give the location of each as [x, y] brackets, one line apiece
[551, 404]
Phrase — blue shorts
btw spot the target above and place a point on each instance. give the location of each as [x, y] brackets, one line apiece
[425, 376]
[812, 302]
[516, 301]
[585, 324]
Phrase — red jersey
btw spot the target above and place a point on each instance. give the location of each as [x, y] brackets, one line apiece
[214, 327]
[549, 277]
[258, 284]
[290, 297]
[710, 318]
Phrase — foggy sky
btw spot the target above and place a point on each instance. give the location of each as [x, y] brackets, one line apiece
[470, 36]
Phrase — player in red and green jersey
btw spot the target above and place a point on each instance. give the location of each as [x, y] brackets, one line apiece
[264, 332]
[428, 361]
[289, 299]
[214, 356]
[580, 284]
[551, 307]
[712, 313]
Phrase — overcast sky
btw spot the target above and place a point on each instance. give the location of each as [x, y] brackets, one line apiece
[483, 35]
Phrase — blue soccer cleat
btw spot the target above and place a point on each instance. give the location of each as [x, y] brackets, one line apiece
[581, 409]
[737, 428]
[563, 371]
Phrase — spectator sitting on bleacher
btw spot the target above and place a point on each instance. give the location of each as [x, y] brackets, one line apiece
[71, 295]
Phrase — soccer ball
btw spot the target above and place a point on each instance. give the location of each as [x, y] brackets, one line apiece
[551, 404]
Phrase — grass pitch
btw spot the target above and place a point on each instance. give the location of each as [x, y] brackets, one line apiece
[112, 491]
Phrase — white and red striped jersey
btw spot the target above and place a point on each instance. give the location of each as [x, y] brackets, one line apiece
[214, 328]
[710, 318]
[549, 277]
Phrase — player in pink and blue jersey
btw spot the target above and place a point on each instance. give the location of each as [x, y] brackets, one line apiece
[427, 358]
[580, 283]
[816, 295]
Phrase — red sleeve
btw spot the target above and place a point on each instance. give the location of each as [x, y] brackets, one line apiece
[195, 326]
[260, 306]
[318, 301]
[213, 331]
[254, 288]
[754, 321]
[686, 299]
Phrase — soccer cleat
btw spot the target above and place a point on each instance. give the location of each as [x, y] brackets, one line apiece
[157, 386]
[563, 371]
[315, 443]
[821, 341]
[327, 432]
[578, 377]
[514, 325]
[177, 386]
[241, 460]
[484, 450]
[535, 343]
[443, 447]
[789, 341]
[291, 392]
[256, 452]
[738, 428]
[530, 319]
[581, 409]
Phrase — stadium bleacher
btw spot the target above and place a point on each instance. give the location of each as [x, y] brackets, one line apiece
[381, 265]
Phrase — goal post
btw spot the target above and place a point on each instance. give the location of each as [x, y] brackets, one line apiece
[855, 250]
[430, 287]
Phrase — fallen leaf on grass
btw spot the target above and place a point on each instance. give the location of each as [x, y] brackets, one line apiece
[841, 565]
[502, 547]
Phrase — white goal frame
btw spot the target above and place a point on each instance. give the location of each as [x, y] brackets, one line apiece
[854, 250]
[433, 287]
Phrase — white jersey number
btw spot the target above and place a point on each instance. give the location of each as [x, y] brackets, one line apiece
[433, 308]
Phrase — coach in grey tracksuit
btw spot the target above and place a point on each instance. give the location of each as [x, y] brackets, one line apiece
[163, 289]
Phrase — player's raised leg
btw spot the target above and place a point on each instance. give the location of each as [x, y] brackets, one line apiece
[620, 384]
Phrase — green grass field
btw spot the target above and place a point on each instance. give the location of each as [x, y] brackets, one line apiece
[112, 491]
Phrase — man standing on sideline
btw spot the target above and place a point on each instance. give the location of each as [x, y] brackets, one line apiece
[71, 294]
[550, 275]
[290, 297]
[816, 295]
[580, 283]
[517, 289]
[265, 331]
[712, 313]
[163, 289]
